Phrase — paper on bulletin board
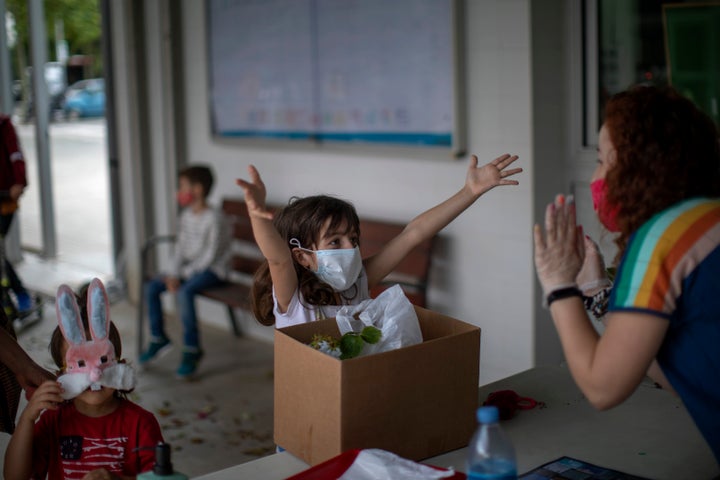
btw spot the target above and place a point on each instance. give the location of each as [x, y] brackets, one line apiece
[384, 68]
[261, 76]
[346, 70]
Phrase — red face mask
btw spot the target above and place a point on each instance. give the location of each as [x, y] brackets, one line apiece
[606, 213]
[184, 198]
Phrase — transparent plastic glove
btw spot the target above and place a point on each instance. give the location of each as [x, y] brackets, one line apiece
[560, 249]
[373, 464]
[593, 274]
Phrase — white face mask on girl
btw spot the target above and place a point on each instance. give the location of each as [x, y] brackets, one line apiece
[339, 268]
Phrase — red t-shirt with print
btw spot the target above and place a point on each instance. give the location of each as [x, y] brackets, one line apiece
[68, 444]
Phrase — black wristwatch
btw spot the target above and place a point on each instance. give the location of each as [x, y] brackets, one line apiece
[561, 293]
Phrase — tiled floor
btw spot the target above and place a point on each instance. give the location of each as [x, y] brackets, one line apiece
[222, 418]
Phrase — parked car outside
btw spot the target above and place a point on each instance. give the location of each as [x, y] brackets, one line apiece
[85, 98]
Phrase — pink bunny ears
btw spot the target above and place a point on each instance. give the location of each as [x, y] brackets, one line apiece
[89, 363]
[70, 321]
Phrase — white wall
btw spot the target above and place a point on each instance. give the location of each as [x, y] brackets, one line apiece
[484, 274]
[520, 63]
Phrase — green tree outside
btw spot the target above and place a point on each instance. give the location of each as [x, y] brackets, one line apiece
[82, 31]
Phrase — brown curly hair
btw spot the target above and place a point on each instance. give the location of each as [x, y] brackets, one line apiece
[667, 150]
[303, 219]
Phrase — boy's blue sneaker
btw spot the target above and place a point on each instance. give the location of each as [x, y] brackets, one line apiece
[24, 302]
[188, 364]
[156, 349]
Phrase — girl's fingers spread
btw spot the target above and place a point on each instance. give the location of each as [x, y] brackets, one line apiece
[507, 160]
[498, 161]
[254, 177]
[473, 161]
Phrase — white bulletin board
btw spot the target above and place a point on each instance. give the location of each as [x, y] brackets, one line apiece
[380, 71]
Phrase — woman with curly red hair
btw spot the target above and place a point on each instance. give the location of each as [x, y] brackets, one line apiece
[657, 184]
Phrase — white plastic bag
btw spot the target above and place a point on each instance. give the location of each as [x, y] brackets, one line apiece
[391, 312]
[376, 464]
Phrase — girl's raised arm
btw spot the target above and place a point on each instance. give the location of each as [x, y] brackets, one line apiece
[424, 226]
[272, 245]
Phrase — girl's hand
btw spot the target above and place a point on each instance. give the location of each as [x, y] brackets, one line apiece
[560, 252]
[480, 180]
[46, 397]
[255, 194]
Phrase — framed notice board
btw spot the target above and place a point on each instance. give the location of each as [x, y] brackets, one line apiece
[692, 48]
[337, 70]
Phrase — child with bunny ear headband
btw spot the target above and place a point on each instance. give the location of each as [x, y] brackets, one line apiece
[86, 425]
[89, 363]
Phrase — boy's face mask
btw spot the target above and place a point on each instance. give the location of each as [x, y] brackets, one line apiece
[339, 268]
[184, 198]
[89, 363]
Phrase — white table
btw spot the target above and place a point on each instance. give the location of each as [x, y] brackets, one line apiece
[649, 435]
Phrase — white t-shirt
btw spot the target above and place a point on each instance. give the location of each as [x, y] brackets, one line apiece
[300, 311]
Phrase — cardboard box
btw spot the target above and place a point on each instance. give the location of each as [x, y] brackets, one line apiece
[417, 401]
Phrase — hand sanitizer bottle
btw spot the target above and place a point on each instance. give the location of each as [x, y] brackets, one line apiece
[163, 469]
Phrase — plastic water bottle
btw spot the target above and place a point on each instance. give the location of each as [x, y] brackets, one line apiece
[491, 455]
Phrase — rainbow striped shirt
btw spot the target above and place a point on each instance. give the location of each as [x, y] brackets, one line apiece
[671, 268]
[663, 253]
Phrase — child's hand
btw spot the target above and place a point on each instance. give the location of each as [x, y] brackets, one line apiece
[480, 180]
[255, 194]
[16, 191]
[100, 474]
[46, 397]
[172, 284]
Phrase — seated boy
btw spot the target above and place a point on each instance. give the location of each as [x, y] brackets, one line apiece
[201, 260]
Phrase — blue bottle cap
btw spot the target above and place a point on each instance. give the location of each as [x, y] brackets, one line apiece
[488, 414]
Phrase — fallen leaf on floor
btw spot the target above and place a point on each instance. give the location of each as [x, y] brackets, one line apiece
[197, 440]
[175, 423]
[246, 416]
[259, 451]
[206, 411]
